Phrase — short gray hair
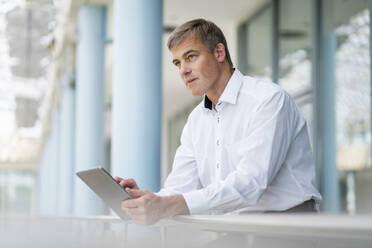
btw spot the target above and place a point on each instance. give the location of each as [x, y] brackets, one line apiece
[207, 32]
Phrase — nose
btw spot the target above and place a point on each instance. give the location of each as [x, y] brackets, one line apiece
[184, 69]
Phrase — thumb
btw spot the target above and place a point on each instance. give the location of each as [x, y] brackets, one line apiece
[135, 193]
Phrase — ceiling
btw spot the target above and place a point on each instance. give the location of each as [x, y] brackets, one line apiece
[178, 11]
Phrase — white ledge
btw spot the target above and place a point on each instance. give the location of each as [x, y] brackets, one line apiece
[346, 226]
[306, 225]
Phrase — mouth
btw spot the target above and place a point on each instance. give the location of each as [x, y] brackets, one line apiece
[190, 81]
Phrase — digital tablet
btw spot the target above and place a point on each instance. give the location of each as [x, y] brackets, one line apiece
[107, 188]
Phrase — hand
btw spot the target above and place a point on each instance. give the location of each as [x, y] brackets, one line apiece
[127, 183]
[146, 209]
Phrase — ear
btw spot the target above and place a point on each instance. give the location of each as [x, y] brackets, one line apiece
[220, 52]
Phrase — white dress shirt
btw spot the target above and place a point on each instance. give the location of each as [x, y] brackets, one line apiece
[250, 153]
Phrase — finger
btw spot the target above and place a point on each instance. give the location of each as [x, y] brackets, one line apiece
[118, 179]
[131, 183]
[123, 183]
[135, 193]
[128, 183]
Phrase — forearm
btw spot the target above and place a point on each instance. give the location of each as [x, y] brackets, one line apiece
[174, 205]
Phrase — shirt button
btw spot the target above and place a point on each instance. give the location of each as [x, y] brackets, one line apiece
[218, 119]
[218, 165]
[218, 142]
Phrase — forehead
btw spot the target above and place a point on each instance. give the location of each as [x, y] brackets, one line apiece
[189, 43]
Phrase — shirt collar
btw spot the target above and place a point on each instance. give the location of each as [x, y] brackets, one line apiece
[231, 91]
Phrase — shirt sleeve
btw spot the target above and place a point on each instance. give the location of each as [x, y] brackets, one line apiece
[184, 176]
[260, 155]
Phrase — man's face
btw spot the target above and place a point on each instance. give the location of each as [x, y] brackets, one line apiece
[198, 67]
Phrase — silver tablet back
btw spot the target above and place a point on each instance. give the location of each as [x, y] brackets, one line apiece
[102, 183]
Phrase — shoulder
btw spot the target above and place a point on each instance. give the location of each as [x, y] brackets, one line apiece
[272, 98]
[259, 91]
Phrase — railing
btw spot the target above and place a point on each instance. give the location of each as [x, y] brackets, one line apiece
[259, 230]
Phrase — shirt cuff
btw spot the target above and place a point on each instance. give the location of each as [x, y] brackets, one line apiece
[196, 202]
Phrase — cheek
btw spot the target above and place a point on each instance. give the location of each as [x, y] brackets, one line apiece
[209, 71]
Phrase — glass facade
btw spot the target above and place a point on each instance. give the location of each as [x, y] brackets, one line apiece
[349, 24]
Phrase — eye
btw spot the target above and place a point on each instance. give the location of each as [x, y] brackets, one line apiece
[177, 63]
[191, 56]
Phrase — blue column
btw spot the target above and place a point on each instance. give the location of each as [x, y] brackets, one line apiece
[137, 91]
[89, 131]
[329, 181]
[67, 147]
[326, 124]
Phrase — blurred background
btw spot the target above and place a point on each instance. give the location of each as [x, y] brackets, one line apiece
[91, 83]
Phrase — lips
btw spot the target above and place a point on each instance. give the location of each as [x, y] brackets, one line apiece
[189, 81]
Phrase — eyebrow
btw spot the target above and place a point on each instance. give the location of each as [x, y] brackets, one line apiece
[185, 54]
[189, 51]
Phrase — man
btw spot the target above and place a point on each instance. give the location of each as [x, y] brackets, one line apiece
[244, 148]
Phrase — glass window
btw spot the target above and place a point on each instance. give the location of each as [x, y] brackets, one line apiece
[348, 23]
[259, 44]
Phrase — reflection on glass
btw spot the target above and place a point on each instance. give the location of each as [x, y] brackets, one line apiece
[295, 69]
[352, 61]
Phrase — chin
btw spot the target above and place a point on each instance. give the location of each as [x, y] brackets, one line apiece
[196, 93]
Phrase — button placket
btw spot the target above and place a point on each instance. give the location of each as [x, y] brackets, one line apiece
[218, 144]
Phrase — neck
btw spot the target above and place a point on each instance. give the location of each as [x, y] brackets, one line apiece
[219, 86]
